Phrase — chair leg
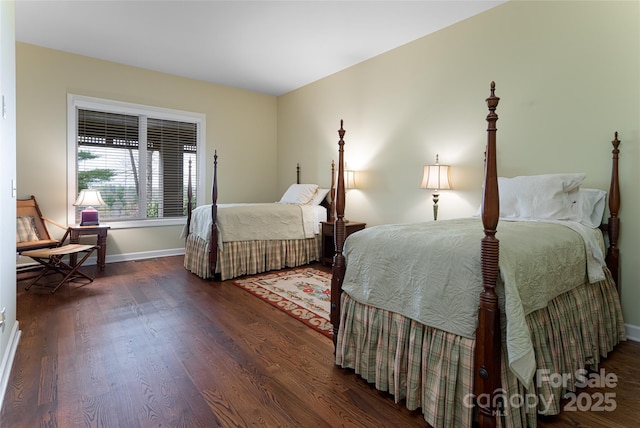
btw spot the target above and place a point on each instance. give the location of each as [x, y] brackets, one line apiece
[40, 275]
[73, 269]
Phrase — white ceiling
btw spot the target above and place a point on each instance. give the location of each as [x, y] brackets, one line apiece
[271, 47]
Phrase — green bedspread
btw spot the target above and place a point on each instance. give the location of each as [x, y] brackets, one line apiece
[431, 272]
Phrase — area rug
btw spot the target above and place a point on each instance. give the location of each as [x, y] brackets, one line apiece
[303, 293]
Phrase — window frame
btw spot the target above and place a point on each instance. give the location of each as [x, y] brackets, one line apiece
[75, 102]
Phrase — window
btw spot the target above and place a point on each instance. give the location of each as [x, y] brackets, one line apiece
[138, 157]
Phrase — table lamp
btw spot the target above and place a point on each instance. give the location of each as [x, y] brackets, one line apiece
[436, 177]
[89, 198]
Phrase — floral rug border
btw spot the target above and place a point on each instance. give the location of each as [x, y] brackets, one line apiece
[310, 318]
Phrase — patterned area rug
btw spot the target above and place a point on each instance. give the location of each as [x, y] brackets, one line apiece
[303, 293]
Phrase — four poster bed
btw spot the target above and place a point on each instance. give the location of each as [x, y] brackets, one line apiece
[548, 305]
[229, 240]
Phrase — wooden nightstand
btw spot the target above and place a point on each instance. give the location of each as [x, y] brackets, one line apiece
[328, 248]
[100, 231]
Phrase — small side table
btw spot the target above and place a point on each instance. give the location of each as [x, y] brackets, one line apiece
[100, 231]
[328, 246]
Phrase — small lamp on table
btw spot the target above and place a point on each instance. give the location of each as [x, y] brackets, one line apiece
[89, 198]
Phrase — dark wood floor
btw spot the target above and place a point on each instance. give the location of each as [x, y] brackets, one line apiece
[149, 344]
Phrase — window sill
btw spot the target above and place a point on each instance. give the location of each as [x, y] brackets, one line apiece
[136, 224]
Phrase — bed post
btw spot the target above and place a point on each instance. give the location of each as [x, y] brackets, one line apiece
[488, 337]
[189, 204]
[339, 266]
[332, 193]
[213, 241]
[613, 224]
[297, 173]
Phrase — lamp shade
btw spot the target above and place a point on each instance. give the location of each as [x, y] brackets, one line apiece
[349, 179]
[436, 177]
[89, 198]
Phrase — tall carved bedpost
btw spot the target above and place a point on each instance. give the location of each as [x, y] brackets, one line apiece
[213, 241]
[488, 337]
[613, 253]
[339, 265]
[189, 203]
[332, 194]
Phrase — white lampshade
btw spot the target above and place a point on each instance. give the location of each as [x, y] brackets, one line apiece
[349, 179]
[436, 177]
[89, 198]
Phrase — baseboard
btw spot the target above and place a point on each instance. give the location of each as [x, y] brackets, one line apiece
[633, 332]
[142, 255]
[7, 360]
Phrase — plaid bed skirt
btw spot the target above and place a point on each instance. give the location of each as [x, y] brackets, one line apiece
[433, 370]
[249, 257]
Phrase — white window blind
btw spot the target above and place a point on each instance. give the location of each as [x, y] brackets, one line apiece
[170, 145]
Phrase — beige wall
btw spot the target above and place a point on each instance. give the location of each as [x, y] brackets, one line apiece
[568, 77]
[240, 125]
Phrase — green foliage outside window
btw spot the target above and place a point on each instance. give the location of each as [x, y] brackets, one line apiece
[94, 176]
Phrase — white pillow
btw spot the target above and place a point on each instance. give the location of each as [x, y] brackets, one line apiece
[590, 205]
[547, 196]
[299, 194]
[319, 196]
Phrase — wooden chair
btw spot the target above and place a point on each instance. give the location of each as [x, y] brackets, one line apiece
[34, 240]
[32, 232]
